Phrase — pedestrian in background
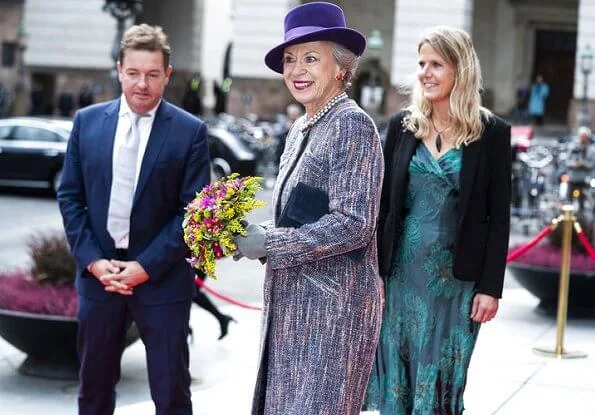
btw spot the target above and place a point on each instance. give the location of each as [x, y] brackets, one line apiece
[6, 101]
[521, 115]
[580, 163]
[86, 96]
[192, 100]
[37, 98]
[443, 231]
[322, 290]
[65, 104]
[131, 167]
[540, 90]
[201, 300]
[582, 152]
[221, 90]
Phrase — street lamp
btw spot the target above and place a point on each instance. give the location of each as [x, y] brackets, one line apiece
[121, 10]
[586, 68]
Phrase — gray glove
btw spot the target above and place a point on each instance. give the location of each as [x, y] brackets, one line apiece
[252, 246]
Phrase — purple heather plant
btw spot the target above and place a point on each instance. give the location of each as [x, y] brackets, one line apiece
[20, 292]
[547, 255]
[48, 287]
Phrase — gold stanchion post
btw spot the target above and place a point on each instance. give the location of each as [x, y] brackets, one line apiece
[559, 351]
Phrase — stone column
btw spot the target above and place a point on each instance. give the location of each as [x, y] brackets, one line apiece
[257, 26]
[585, 36]
[412, 17]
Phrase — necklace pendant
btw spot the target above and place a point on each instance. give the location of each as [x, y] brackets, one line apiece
[438, 143]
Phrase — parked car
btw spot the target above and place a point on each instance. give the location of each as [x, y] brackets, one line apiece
[229, 154]
[32, 151]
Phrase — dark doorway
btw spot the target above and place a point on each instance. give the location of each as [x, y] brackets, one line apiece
[555, 53]
[42, 94]
[369, 88]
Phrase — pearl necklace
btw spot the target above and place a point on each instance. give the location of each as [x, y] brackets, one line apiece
[311, 121]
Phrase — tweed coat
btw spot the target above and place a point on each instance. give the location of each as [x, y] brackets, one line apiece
[322, 309]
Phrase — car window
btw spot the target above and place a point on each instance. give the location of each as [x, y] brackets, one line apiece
[34, 134]
[4, 131]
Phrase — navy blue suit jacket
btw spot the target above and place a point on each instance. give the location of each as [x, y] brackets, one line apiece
[175, 166]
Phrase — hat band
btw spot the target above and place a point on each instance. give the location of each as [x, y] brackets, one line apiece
[302, 30]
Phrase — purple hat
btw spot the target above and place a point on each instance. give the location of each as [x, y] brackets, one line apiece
[311, 22]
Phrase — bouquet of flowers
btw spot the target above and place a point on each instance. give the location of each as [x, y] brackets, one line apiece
[215, 216]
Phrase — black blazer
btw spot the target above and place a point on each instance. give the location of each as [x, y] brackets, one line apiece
[483, 218]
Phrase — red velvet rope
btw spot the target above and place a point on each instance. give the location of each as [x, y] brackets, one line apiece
[523, 249]
[223, 297]
[585, 241]
[511, 257]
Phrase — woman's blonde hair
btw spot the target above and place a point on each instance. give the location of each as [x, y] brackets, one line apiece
[454, 46]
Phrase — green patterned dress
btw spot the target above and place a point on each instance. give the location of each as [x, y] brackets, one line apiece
[427, 336]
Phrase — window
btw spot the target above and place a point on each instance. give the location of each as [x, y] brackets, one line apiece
[34, 134]
[5, 131]
[9, 52]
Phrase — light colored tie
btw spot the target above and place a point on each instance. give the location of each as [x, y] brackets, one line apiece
[123, 185]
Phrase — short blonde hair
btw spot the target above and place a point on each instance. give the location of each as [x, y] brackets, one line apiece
[455, 46]
[145, 37]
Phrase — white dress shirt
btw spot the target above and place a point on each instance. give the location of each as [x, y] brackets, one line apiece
[145, 124]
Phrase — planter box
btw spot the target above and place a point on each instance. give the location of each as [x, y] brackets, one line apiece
[543, 282]
[48, 341]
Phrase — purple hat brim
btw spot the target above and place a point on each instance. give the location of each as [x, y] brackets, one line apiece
[349, 38]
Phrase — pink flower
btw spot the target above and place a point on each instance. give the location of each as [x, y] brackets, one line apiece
[208, 236]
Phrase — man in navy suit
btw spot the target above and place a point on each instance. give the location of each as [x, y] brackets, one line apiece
[131, 167]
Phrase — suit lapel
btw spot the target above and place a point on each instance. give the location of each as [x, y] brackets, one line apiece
[110, 123]
[158, 136]
[467, 176]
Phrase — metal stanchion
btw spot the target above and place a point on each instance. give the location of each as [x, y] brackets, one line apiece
[559, 352]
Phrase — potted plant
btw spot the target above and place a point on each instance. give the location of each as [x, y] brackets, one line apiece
[538, 271]
[38, 310]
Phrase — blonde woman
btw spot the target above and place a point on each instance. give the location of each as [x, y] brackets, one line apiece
[443, 233]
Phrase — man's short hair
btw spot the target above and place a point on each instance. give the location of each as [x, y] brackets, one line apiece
[145, 37]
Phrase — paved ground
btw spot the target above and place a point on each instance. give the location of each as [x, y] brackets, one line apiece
[505, 377]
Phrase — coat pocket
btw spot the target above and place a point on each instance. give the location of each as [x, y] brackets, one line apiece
[324, 283]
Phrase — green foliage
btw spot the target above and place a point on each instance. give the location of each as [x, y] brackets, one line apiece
[215, 216]
[52, 261]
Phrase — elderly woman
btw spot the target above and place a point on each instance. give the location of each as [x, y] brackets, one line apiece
[443, 232]
[322, 290]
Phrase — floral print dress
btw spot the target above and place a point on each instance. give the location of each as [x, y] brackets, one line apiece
[427, 336]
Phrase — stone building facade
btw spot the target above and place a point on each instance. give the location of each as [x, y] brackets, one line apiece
[12, 41]
[68, 45]
[515, 40]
